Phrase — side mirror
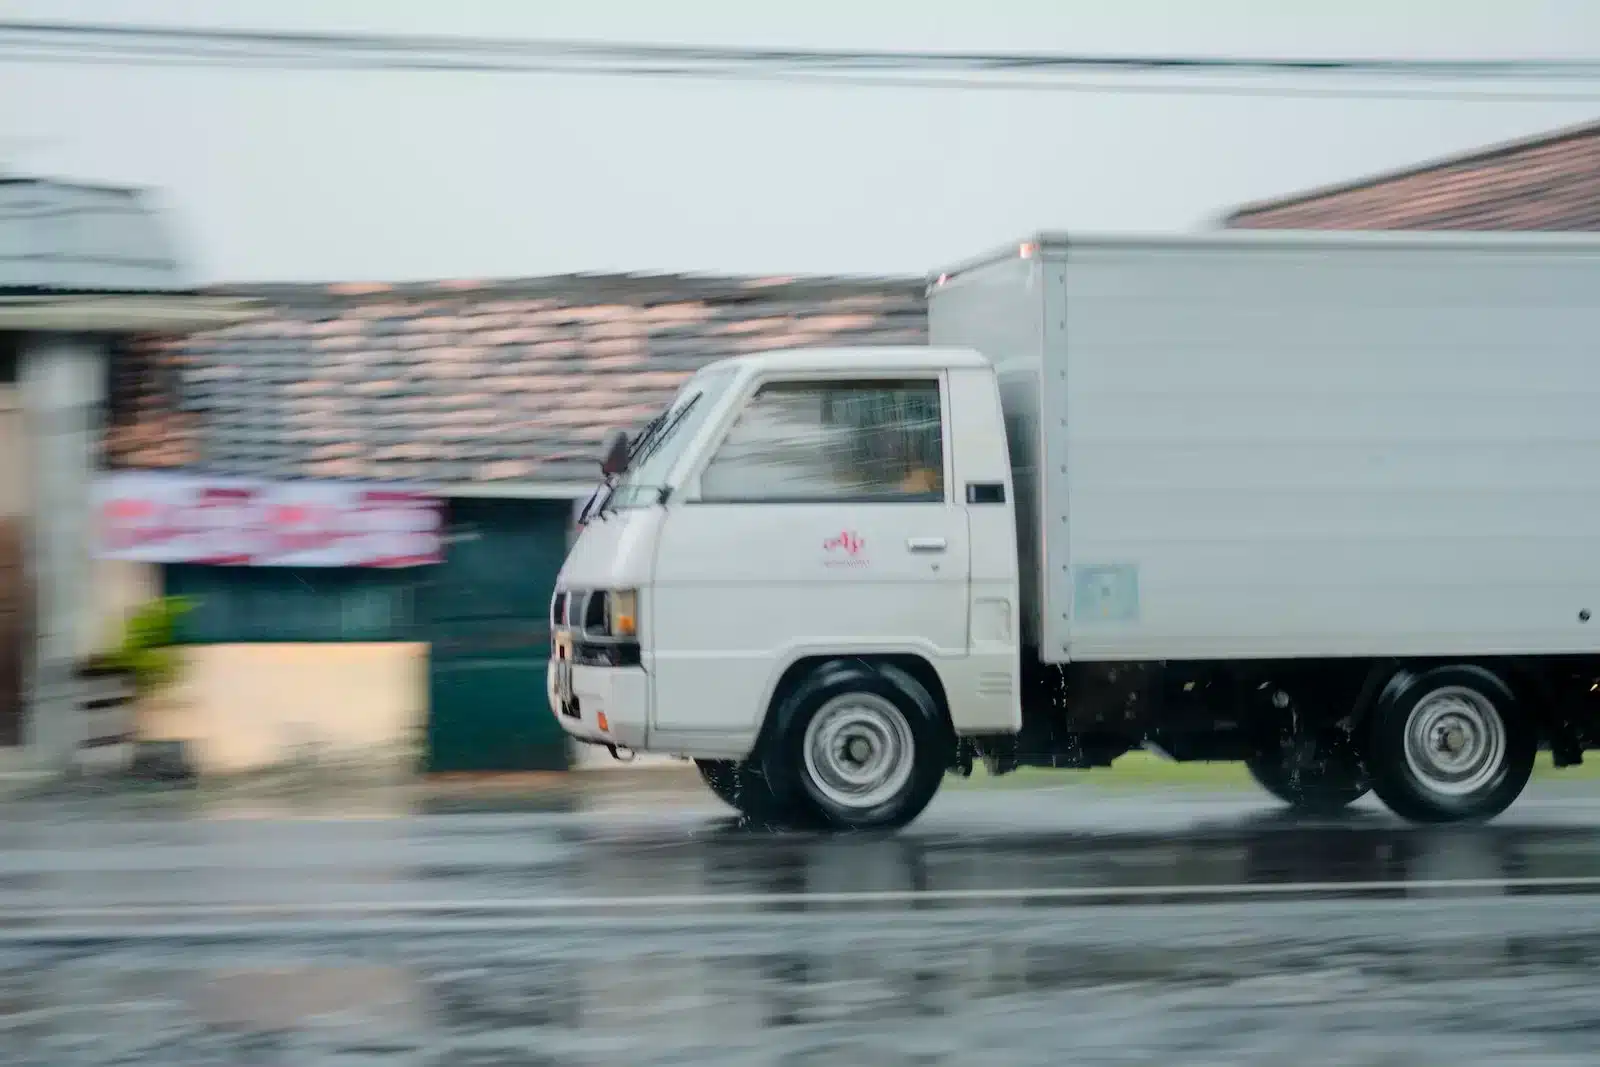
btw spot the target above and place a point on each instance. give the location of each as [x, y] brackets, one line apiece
[614, 453]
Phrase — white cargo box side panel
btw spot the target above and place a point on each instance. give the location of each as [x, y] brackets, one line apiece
[1345, 447]
[998, 308]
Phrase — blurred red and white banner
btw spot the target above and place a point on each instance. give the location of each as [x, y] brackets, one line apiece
[170, 517]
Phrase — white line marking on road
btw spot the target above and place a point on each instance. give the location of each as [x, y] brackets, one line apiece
[698, 901]
[1243, 919]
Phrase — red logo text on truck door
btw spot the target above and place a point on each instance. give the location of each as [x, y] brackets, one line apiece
[846, 547]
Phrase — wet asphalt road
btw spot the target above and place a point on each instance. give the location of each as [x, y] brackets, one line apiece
[1006, 927]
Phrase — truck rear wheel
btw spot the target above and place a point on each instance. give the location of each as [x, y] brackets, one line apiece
[1451, 745]
[740, 786]
[861, 745]
[1328, 783]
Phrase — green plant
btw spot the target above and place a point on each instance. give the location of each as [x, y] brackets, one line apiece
[148, 650]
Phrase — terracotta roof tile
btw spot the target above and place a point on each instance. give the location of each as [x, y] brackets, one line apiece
[474, 382]
[1547, 183]
[464, 383]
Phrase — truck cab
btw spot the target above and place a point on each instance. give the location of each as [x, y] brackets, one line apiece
[805, 579]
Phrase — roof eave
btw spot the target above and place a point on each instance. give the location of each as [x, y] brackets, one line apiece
[125, 312]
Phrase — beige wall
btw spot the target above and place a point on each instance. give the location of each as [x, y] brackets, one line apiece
[249, 707]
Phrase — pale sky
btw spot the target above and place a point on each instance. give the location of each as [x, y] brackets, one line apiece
[297, 176]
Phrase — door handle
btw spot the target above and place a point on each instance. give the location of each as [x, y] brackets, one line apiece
[925, 544]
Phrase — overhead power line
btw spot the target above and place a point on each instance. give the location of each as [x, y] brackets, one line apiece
[355, 43]
[43, 42]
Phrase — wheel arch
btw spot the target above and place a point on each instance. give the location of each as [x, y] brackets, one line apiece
[916, 666]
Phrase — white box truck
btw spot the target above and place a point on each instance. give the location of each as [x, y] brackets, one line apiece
[1326, 504]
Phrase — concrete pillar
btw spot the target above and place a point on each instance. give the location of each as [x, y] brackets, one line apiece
[62, 381]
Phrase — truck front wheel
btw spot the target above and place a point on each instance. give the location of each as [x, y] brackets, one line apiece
[1450, 745]
[862, 745]
[743, 788]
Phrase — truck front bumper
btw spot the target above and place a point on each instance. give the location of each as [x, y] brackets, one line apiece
[603, 705]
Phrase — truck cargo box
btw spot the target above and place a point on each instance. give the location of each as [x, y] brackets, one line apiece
[1291, 445]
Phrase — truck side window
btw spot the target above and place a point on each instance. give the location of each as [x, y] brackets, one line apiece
[844, 441]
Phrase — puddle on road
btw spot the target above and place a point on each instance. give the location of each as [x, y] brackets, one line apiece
[660, 863]
[960, 1000]
[466, 1003]
[570, 862]
[287, 998]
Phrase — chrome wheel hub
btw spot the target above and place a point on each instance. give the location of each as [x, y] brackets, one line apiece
[1455, 741]
[859, 751]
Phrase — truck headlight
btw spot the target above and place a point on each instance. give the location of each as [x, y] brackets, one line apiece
[622, 613]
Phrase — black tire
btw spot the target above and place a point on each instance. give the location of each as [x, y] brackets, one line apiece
[872, 706]
[1326, 786]
[743, 788]
[1453, 698]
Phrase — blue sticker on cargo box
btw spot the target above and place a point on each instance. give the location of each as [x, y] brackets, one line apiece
[1106, 592]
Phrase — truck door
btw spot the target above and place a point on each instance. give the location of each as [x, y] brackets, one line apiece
[986, 696]
[825, 522]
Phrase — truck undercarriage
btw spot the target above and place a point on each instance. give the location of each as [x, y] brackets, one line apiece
[1290, 721]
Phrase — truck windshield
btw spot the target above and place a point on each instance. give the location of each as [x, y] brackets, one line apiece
[647, 474]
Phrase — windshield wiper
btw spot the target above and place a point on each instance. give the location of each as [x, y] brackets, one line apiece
[588, 511]
[646, 435]
[664, 431]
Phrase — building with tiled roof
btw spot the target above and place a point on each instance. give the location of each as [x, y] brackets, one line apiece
[466, 385]
[492, 396]
[1549, 182]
